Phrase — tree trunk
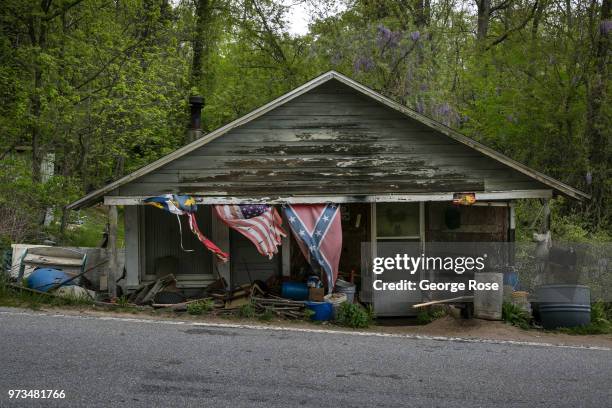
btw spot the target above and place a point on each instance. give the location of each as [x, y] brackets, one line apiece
[201, 41]
[113, 260]
[422, 13]
[484, 14]
[598, 122]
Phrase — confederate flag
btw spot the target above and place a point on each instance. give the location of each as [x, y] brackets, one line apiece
[318, 231]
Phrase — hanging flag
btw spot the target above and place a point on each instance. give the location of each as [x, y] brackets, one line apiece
[260, 223]
[318, 231]
[185, 205]
[175, 204]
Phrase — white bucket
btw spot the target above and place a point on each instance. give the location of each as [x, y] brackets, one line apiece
[336, 299]
[347, 288]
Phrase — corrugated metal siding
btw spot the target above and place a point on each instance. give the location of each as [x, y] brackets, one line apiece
[161, 239]
[331, 140]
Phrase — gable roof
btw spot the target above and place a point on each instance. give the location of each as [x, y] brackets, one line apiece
[453, 134]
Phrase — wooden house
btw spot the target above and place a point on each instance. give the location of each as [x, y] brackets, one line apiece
[393, 171]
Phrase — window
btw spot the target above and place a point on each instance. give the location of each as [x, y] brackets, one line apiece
[398, 222]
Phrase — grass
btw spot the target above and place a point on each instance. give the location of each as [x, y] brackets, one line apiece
[17, 298]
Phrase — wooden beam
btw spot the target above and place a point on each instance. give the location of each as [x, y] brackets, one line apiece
[203, 198]
[113, 258]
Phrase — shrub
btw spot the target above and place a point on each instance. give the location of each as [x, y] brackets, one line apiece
[353, 315]
[515, 316]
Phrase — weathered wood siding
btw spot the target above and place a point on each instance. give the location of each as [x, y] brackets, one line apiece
[331, 140]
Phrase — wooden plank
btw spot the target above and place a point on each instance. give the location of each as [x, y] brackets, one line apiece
[33, 259]
[353, 188]
[113, 264]
[452, 300]
[316, 199]
[331, 161]
[133, 254]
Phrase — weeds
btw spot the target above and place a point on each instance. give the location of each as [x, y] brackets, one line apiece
[267, 315]
[308, 313]
[199, 307]
[123, 301]
[353, 315]
[515, 316]
[247, 311]
[428, 315]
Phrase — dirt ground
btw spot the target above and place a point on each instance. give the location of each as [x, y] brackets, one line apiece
[445, 327]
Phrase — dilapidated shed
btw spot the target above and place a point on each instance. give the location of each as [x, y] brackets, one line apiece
[393, 170]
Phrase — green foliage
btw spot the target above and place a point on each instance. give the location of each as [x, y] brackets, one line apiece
[86, 228]
[247, 311]
[515, 316]
[200, 307]
[18, 298]
[267, 315]
[428, 315]
[354, 315]
[104, 87]
[601, 321]
[308, 313]
[123, 301]
[566, 225]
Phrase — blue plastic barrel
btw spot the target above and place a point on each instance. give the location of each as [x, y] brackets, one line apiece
[44, 279]
[294, 290]
[322, 310]
[564, 305]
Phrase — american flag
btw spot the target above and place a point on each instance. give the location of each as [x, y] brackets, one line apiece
[260, 223]
[318, 231]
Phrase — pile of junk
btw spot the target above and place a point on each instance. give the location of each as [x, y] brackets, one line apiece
[55, 271]
[279, 296]
[69, 273]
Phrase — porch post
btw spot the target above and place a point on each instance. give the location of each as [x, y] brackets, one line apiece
[113, 261]
[220, 236]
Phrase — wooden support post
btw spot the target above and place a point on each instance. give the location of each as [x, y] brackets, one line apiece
[221, 237]
[113, 261]
[546, 224]
[286, 250]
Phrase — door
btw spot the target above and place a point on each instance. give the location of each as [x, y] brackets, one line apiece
[398, 229]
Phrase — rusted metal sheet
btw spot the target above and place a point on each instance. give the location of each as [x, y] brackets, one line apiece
[331, 140]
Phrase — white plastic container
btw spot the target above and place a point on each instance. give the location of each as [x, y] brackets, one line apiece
[488, 303]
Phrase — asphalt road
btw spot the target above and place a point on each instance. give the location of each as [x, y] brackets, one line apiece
[105, 363]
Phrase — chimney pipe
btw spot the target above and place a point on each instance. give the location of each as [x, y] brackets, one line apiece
[195, 127]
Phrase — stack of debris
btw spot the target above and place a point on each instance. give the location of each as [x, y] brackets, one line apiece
[145, 293]
[289, 309]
